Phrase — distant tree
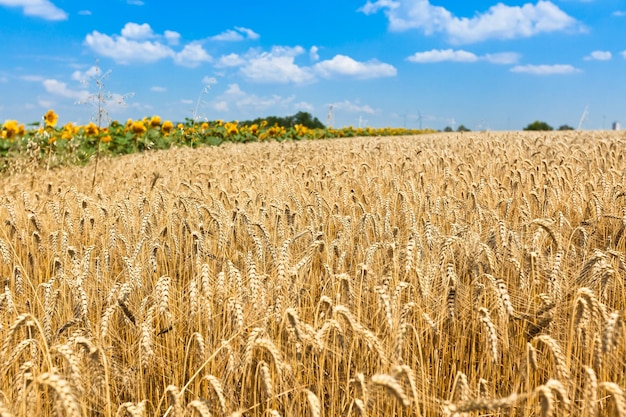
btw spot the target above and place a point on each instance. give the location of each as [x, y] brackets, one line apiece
[300, 118]
[538, 125]
[306, 119]
[462, 128]
[447, 129]
[565, 127]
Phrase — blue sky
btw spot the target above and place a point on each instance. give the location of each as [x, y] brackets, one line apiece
[412, 63]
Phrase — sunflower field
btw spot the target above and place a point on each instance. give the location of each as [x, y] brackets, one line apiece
[49, 144]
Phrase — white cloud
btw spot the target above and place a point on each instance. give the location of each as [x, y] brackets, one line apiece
[276, 66]
[279, 66]
[599, 56]
[136, 31]
[545, 69]
[498, 22]
[234, 96]
[173, 38]
[623, 53]
[158, 89]
[135, 2]
[238, 34]
[344, 65]
[230, 60]
[37, 8]
[314, 53]
[126, 51]
[460, 55]
[192, 55]
[84, 12]
[59, 88]
[619, 13]
[206, 80]
[441, 55]
[249, 33]
[303, 105]
[137, 43]
[184, 101]
[351, 107]
[84, 77]
[502, 58]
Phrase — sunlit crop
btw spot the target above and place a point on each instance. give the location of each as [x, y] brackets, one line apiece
[476, 274]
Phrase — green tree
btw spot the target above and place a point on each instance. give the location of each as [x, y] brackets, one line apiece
[538, 125]
[300, 118]
[462, 128]
[447, 129]
[565, 127]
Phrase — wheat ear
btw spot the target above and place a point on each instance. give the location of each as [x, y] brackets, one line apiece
[391, 385]
[64, 391]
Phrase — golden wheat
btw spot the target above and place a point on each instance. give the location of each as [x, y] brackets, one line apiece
[444, 274]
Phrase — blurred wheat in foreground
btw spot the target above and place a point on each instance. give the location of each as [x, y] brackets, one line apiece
[458, 275]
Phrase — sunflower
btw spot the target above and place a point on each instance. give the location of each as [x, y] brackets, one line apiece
[50, 118]
[10, 129]
[91, 129]
[167, 127]
[69, 130]
[155, 121]
[138, 128]
[301, 130]
[231, 128]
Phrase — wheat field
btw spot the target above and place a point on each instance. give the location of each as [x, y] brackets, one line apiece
[447, 274]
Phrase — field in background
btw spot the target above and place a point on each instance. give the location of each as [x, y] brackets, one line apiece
[477, 273]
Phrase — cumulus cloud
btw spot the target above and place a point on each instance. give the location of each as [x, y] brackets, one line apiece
[85, 76]
[136, 31]
[173, 38]
[230, 60]
[206, 80]
[303, 105]
[192, 55]
[235, 35]
[235, 97]
[599, 56]
[126, 51]
[37, 8]
[498, 22]
[279, 66]
[460, 55]
[59, 88]
[502, 57]
[441, 55]
[351, 107]
[545, 69]
[314, 53]
[345, 66]
[137, 43]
